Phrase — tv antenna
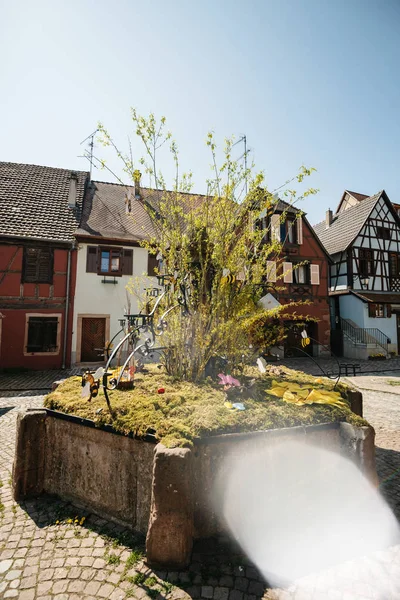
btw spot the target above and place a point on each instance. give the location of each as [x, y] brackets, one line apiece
[243, 138]
[89, 153]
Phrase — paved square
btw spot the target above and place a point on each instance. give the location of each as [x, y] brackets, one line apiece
[51, 550]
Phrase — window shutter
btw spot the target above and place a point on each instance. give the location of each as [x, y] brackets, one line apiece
[45, 266]
[275, 228]
[372, 310]
[30, 266]
[287, 272]
[314, 271]
[152, 264]
[388, 310]
[91, 259]
[38, 265]
[271, 271]
[299, 223]
[127, 262]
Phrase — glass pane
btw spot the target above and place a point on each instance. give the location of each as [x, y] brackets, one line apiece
[302, 274]
[290, 226]
[115, 263]
[105, 261]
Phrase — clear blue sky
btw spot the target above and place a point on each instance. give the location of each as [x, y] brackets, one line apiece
[309, 81]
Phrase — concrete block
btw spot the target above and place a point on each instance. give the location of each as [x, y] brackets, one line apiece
[170, 534]
[29, 461]
[358, 444]
[356, 402]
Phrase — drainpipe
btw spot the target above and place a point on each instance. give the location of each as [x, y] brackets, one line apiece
[67, 304]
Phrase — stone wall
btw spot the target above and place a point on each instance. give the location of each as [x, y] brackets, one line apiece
[110, 473]
[165, 492]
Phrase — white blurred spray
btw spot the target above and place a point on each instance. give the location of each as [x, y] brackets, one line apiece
[297, 509]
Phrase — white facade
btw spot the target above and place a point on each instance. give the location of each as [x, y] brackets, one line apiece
[368, 258]
[108, 301]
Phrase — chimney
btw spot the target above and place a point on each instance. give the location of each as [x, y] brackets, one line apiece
[328, 218]
[137, 176]
[72, 189]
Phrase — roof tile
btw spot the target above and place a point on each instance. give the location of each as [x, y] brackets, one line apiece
[34, 201]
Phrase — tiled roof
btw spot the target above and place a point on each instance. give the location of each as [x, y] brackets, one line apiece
[104, 213]
[379, 298]
[357, 196]
[34, 201]
[345, 225]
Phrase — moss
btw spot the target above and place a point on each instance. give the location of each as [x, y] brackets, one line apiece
[187, 411]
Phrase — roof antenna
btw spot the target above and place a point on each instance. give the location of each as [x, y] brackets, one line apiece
[89, 154]
[243, 138]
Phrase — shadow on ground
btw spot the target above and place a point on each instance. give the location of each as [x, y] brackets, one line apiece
[218, 568]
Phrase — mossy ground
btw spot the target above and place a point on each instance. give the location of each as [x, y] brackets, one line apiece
[187, 411]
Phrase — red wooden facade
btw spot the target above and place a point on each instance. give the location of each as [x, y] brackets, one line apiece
[310, 251]
[35, 310]
[301, 274]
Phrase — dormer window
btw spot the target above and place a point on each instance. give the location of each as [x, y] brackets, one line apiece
[288, 231]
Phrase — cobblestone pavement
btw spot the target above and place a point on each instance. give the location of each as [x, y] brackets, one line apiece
[38, 381]
[47, 552]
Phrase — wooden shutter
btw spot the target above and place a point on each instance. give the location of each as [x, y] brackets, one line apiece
[30, 264]
[372, 310]
[314, 272]
[127, 262]
[91, 259]
[38, 265]
[271, 271]
[152, 264]
[45, 266]
[287, 272]
[388, 310]
[275, 228]
[299, 224]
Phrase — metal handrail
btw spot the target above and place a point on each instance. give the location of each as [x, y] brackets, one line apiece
[365, 335]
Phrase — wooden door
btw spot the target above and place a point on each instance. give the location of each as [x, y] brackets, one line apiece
[293, 347]
[93, 339]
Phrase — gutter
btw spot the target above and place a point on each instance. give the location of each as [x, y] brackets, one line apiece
[67, 304]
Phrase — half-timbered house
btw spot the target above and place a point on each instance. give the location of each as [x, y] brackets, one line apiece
[300, 274]
[40, 208]
[363, 240]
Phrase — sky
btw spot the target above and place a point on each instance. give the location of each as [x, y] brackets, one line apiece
[313, 82]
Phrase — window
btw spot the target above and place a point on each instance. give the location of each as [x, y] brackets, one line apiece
[366, 262]
[152, 264]
[394, 264]
[38, 265]
[301, 274]
[42, 334]
[379, 311]
[383, 232]
[288, 231]
[109, 261]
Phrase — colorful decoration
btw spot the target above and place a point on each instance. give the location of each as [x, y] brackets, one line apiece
[228, 381]
[305, 340]
[295, 393]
